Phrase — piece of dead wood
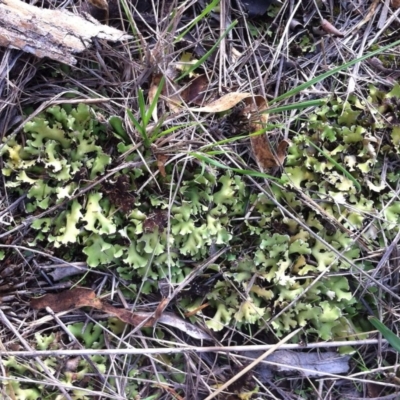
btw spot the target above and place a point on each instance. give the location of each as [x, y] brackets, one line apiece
[83, 297]
[50, 33]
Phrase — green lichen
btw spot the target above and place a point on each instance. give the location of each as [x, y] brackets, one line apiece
[272, 260]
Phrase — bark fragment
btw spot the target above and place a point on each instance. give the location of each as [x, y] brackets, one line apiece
[50, 33]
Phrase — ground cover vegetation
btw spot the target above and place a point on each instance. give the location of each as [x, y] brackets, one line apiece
[230, 171]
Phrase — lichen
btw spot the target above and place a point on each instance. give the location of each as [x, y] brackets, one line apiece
[272, 260]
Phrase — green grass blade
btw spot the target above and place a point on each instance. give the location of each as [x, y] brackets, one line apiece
[247, 172]
[173, 129]
[346, 173]
[206, 11]
[209, 52]
[154, 103]
[140, 128]
[142, 106]
[333, 71]
[296, 106]
[390, 336]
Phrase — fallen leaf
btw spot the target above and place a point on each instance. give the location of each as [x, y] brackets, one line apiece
[67, 300]
[378, 65]
[190, 329]
[329, 28]
[83, 297]
[196, 310]
[255, 105]
[395, 4]
[102, 5]
[295, 25]
[195, 91]
[224, 103]
[62, 272]
[161, 160]
[57, 34]
[266, 158]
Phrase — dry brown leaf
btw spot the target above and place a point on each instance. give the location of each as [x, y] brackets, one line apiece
[329, 28]
[395, 4]
[196, 310]
[75, 298]
[83, 297]
[255, 105]
[50, 33]
[224, 103]
[265, 156]
[195, 92]
[311, 364]
[102, 5]
[378, 65]
[161, 160]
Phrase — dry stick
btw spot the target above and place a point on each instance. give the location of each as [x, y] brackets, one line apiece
[222, 47]
[188, 349]
[356, 67]
[10, 326]
[384, 258]
[253, 364]
[53, 258]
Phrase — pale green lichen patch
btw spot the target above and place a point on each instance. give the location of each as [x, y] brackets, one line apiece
[337, 159]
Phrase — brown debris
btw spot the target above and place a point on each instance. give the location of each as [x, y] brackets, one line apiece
[266, 157]
[118, 193]
[329, 28]
[83, 297]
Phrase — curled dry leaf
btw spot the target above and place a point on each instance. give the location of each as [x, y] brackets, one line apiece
[195, 91]
[329, 28]
[255, 105]
[378, 65]
[395, 4]
[265, 156]
[102, 5]
[161, 160]
[295, 25]
[224, 103]
[83, 297]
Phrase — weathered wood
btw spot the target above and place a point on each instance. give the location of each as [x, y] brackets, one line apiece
[50, 33]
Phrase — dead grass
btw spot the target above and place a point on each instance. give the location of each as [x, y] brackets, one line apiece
[268, 57]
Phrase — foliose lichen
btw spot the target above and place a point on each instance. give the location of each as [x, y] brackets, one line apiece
[272, 260]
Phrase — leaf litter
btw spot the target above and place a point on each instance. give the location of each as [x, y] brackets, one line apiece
[82, 297]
